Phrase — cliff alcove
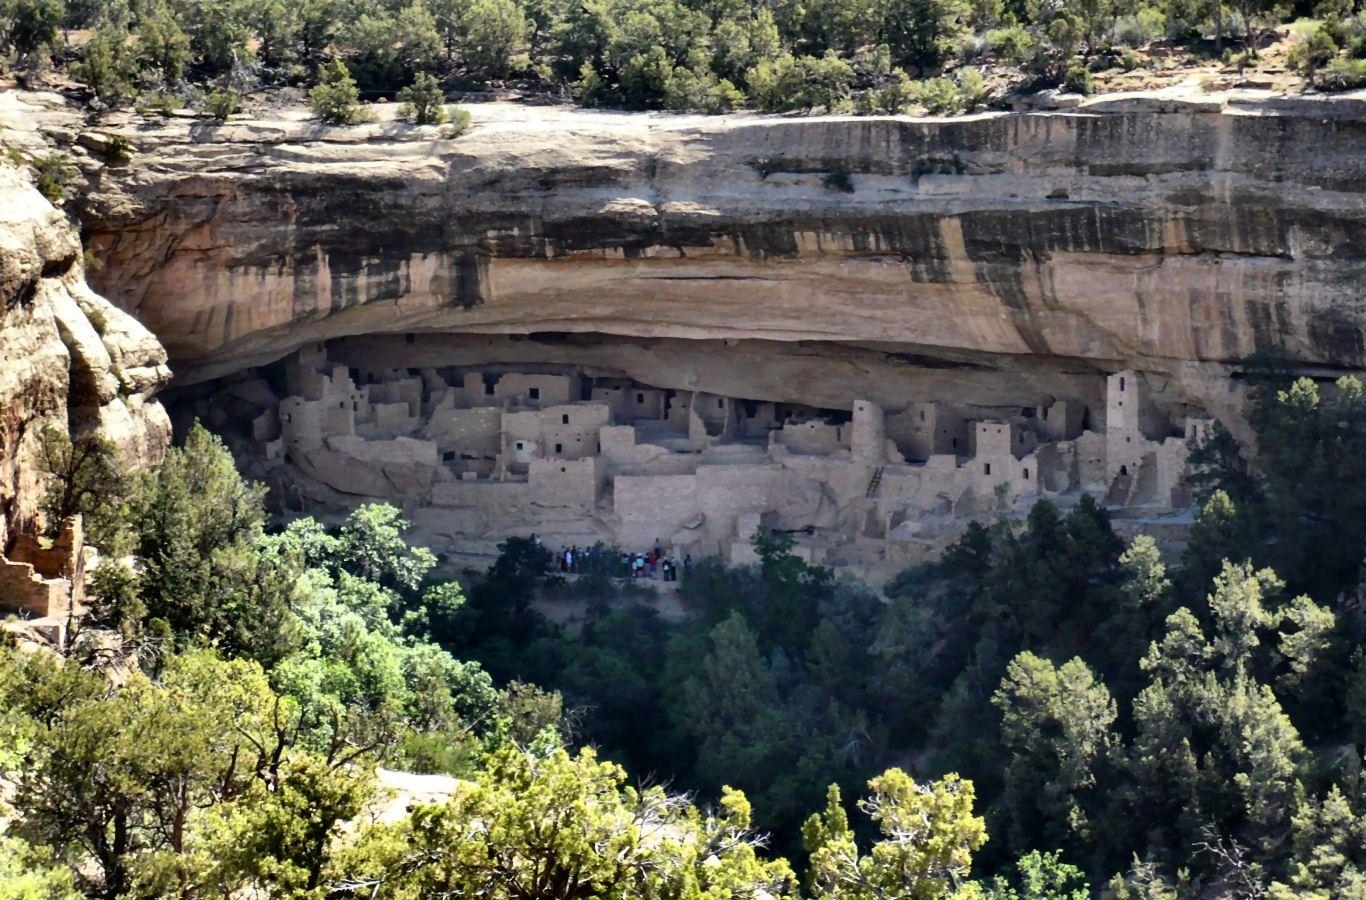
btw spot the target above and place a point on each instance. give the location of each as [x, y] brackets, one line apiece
[984, 270]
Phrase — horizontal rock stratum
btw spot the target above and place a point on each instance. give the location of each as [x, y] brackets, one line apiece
[1172, 233]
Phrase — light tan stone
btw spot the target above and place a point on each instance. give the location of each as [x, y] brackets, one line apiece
[71, 359]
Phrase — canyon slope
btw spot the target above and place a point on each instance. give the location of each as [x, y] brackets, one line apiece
[991, 256]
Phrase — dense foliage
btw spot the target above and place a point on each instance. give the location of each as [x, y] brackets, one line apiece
[1074, 713]
[705, 55]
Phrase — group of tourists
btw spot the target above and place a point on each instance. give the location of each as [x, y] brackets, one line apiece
[568, 560]
[654, 564]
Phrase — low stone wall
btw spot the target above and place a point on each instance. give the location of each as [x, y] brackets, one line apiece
[43, 582]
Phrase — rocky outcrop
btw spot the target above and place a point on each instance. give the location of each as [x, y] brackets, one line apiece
[71, 358]
[1178, 235]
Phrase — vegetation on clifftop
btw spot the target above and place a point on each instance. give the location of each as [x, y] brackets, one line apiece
[861, 56]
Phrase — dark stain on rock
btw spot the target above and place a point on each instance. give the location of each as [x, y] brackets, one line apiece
[471, 280]
[1336, 337]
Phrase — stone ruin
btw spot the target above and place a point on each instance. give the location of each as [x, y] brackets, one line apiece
[42, 583]
[475, 454]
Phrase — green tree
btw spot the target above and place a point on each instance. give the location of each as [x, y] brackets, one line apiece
[276, 24]
[387, 47]
[422, 102]
[162, 43]
[278, 837]
[744, 43]
[107, 67]
[1213, 744]
[488, 34]
[27, 873]
[1329, 847]
[1096, 17]
[31, 26]
[335, 99]
[1065, 34]
[1040, 876]
[115, 776]
[841, 27]
[927, 837]
[777, 84]
[1056, 723]
[729, 705]
[87, 478]
[1142, 600]
[219, 32]
[1222, 532]
[370, 545]
[540, 822]
[1310, 444]
[920, 32]
[203, 574]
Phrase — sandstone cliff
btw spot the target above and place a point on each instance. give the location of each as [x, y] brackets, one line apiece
[71, 358]
[1178, 235]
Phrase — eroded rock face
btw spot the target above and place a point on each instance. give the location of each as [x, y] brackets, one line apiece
[1175, 236]
[71, 358]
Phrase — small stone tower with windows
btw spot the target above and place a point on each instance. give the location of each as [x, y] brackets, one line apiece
[1124, 440]
[868, 444]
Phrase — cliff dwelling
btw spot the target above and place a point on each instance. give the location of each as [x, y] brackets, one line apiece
[477, 449]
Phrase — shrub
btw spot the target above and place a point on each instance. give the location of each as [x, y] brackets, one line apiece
[701, 91]
[457, 122]
[1343, 75]
[894, 96]
[1079, 81]
[1129, 60]
[422, 102]
[335, 99]
[972, 89]
[1313, 52]
[687, 89]
[158, 103]
[724, 97]
[777, 84]
[117, 149]
[827, 81]
[940, 97]
[1356, 47]
[1134, 31]
[838, 180]
[221, 104]
[1010, 45]
[107, 67]
[54, 172]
